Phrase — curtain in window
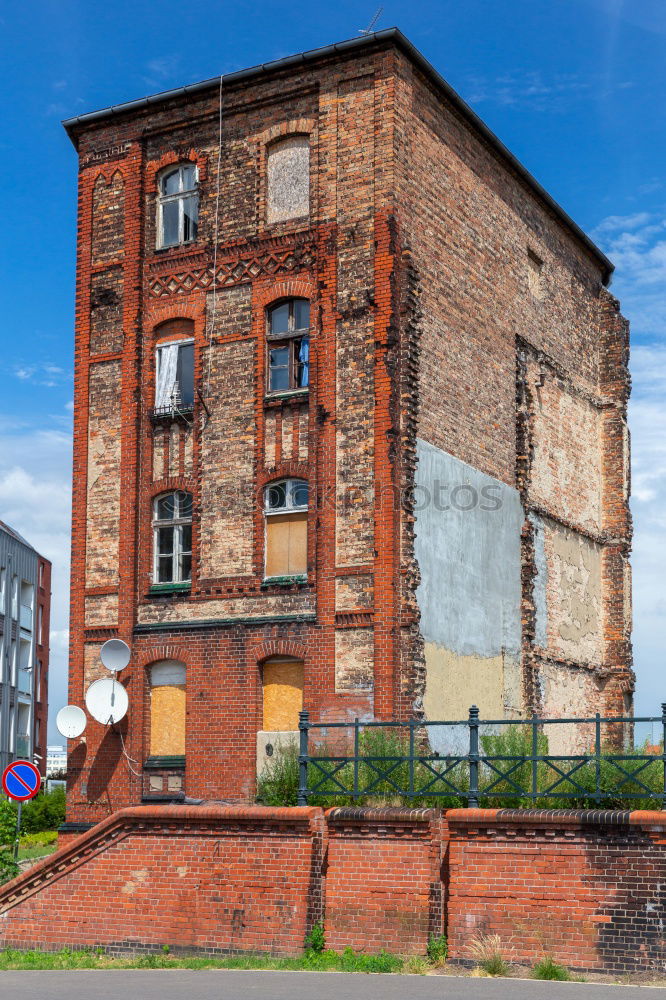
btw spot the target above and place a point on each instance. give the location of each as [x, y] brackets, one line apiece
[304, 360]
[166, 375]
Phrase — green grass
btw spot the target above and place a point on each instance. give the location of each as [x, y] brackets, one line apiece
[326, 961]
[38, 845]
[549, 969]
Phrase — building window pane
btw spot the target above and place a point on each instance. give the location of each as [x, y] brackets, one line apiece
[172, 520]
[174, 377]
[178, 206]
[288, 345]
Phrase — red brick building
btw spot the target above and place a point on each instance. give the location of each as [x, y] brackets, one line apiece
[350, 423]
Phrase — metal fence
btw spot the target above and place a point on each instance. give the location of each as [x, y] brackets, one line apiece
[475, 761]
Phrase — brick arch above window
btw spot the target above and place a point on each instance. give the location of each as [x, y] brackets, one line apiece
[172, 158]
[268, 648]
[154, 654]
[178, 328]
[269, 293]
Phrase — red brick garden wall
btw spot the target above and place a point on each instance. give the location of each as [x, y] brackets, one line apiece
[582, 887]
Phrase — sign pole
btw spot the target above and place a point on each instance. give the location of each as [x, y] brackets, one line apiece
[18, 831]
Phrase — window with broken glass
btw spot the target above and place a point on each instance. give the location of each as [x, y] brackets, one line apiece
[178, 206]
[172, 527]
[174, 378]
[288, 341]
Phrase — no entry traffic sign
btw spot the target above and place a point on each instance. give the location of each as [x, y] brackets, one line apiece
[21, 780]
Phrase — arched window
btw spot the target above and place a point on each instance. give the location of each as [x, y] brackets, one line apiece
[167, 709]
[282, 693]
[286, 516]
[178, 206]
[288, 179]
[288, 339]
[172, 527]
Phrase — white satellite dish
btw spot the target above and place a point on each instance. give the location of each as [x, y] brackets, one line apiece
[115, 655]
[71, 721]
[107, 700]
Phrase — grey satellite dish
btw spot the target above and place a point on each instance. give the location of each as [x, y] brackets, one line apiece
[71, 721]
[115, 655]
[107, 700]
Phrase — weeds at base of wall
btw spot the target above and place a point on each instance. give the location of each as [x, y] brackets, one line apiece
[96, 958]
[486, 950]
[547, 968]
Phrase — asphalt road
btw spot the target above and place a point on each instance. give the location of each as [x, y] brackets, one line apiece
[177, 984]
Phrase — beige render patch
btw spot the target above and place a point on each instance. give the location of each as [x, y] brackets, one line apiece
[567, 693]
[574, 595]
[455, 682]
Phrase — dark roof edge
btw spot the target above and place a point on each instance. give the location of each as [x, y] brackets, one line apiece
[388, 34]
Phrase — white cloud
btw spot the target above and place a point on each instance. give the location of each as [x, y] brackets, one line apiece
[35, 498]
[533, 91]
[44, 373]
[636, 243]
[637, 246]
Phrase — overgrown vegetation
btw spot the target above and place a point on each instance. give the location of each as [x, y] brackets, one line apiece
[486, 950]
[501, 784]
[438, 949]
[547, 968]
[325, 961]
[8, 867]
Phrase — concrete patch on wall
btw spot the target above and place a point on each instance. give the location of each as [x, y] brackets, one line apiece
[354, 659]
[227, 488]
[574, 594]
[540, 582]
[468, 548]
[288, 171]
[353, 592]
[103, 499]
[101, 609]
[565, 693]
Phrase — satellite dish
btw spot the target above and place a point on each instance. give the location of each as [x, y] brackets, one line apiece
[115, 655]
[107, 700]
[71, 721]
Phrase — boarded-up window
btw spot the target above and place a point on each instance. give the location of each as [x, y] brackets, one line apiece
[283, 694]
[167, 709]
[286, 504]
[286, 544]
[288, 179]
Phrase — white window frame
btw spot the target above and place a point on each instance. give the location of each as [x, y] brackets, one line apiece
[180, 196]
[290, 507]
[177, 552]
[158, 361]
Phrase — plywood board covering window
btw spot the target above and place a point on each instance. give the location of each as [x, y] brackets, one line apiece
[167, 709]
[283, 695]
[286, 544]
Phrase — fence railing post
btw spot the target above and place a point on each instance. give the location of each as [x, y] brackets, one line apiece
[535, 751]
[597, 754]
[303, 727]
[473, 795]
[412, 723]
[663, 751]
[356, 749]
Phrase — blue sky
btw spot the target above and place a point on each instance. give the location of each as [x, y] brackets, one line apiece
[575, 88]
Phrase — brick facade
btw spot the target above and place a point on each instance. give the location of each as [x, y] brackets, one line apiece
[423, 325]
[585, 888]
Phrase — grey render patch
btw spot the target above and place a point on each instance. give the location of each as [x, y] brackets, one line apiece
[288, 175]
[469, 557]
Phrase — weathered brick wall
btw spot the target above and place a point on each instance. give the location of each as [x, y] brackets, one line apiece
[417, 296]
[522, 375]
[197, 879]
[383, 879]
[585, 889]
